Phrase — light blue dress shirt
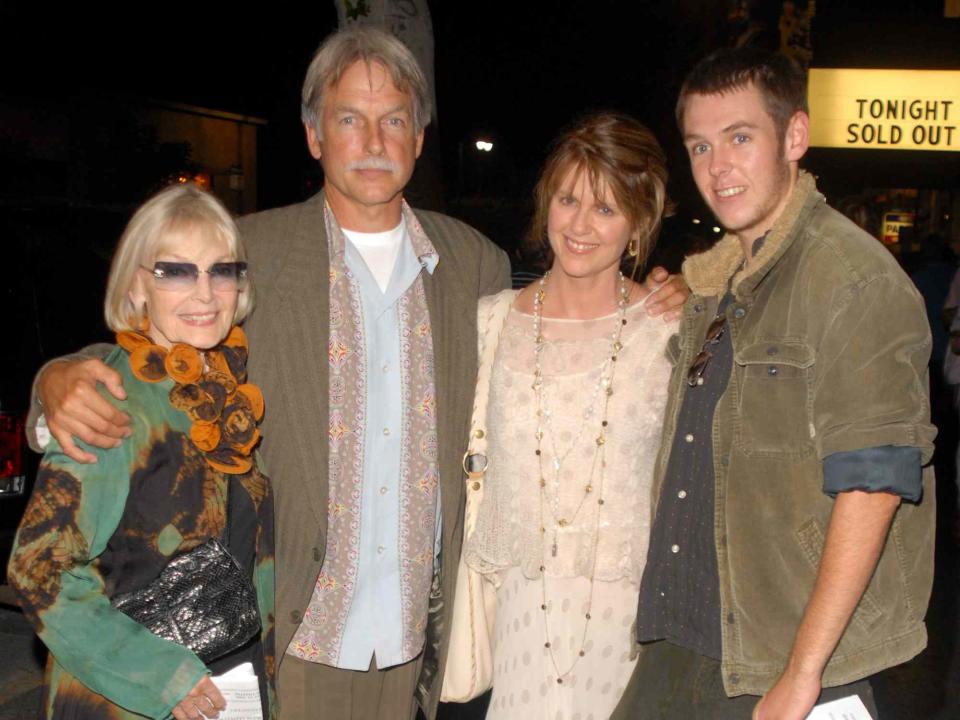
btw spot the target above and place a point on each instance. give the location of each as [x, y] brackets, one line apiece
[374, 624]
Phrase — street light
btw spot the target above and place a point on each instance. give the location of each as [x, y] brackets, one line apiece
[484, 145]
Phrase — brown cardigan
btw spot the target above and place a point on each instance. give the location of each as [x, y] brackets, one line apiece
[288, 332]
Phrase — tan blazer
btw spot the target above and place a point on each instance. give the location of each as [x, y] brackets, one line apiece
[289, 333]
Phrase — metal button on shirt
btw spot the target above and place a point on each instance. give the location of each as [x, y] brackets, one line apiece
[674, 549]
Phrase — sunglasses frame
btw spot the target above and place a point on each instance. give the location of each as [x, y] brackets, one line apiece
[192, 277]
[698, 367]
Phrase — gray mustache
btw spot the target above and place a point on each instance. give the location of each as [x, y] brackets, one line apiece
[373, 164]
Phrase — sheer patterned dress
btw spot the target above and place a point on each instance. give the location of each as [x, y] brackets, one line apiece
[581, 538]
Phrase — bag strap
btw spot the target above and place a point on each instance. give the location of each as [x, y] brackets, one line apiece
[475, 458]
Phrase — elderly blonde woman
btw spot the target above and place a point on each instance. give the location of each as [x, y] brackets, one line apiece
[92, 532]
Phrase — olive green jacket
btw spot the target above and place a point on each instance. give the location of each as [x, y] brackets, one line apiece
[830, 344]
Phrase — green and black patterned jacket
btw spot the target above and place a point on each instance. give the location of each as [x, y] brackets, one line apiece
[92, 531]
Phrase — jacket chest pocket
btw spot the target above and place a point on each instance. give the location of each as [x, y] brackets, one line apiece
[772, 386]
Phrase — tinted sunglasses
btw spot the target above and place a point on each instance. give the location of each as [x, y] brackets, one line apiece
[699, 365]
[184, 275]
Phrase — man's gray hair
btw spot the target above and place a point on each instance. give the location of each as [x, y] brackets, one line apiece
[342, 49]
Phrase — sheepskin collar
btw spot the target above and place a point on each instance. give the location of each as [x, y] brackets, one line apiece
[708, 273]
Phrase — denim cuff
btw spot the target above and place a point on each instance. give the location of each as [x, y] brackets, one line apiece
[887, 468]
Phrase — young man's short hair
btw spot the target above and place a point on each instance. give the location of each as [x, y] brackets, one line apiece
[782, 84]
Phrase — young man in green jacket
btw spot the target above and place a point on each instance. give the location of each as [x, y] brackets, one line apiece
[791, 554]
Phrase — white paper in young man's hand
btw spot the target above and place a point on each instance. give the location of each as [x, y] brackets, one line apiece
[848, 708]
[241, 689]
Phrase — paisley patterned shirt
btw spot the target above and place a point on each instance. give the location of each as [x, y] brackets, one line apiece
[372, 592]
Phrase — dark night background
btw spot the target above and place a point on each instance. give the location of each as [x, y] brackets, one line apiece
[515, 73]
[511, 72]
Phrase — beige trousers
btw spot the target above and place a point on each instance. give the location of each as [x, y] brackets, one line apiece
[311, 691]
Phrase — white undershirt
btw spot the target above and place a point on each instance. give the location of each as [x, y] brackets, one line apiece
[379, 251]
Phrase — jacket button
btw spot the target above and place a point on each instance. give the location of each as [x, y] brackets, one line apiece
[734, 679]
[771, 370]
[730, 618]
[739, 313]
[295, 616]
[725, 461]
[698, 308]
[316, 554]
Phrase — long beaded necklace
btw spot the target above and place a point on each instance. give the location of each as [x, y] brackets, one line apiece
[598, 466]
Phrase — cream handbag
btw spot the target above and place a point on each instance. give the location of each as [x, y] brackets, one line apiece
[469, 669]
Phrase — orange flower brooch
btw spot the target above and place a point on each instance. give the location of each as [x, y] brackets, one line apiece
[211, 389]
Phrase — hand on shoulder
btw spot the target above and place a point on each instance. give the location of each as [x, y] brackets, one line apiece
[75, 409]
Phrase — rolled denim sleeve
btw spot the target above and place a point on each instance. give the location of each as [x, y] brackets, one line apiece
[888, 468]
[870, 384]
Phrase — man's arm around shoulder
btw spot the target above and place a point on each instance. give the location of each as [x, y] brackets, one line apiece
[65, 392]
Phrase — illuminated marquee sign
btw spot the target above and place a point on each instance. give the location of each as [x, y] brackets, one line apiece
[885, 109]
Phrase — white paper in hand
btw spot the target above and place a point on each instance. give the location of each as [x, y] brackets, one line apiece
[241, 689]
[848, 708]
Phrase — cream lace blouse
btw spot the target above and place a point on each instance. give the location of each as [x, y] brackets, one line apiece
[508, 526]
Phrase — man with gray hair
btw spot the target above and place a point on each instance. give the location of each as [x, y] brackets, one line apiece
[367, 508]
[364, 445]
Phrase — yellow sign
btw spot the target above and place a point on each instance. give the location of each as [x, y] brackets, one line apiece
[893, 222]
[885, 109]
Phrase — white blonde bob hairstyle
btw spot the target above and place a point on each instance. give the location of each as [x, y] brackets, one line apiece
[177, 208]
